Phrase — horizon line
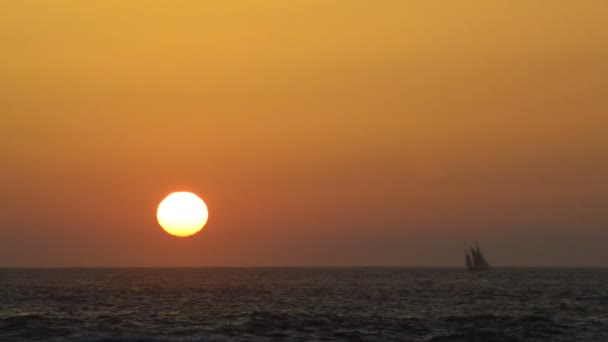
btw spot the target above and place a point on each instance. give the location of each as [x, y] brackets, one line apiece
[285, 266]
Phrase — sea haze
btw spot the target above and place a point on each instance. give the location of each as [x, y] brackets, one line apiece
[303, 304]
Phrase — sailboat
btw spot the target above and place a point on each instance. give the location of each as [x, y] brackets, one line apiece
[475, 261]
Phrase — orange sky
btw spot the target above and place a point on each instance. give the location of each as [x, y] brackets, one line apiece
[318, 132]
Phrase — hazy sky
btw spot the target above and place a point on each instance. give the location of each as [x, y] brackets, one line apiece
[318, 132]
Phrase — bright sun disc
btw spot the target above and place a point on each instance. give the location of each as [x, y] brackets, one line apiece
[182, 214]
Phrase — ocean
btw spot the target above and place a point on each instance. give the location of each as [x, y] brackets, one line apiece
[303, 304]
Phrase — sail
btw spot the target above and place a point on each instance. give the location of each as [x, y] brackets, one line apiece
[482, 261]
[468, 260]
[475, 261]
[476, 256]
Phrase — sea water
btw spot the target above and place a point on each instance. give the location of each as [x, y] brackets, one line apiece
[303, 304]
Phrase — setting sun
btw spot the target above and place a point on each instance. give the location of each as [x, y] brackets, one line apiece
[182, 214]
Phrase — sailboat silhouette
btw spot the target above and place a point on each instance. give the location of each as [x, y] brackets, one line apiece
[475, 261]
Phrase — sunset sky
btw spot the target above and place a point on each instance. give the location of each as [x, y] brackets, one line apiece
[318, 133]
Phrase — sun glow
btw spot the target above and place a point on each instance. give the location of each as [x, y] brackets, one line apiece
[182, 214]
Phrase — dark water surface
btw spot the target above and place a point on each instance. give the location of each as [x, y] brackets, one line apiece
[303, 304]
